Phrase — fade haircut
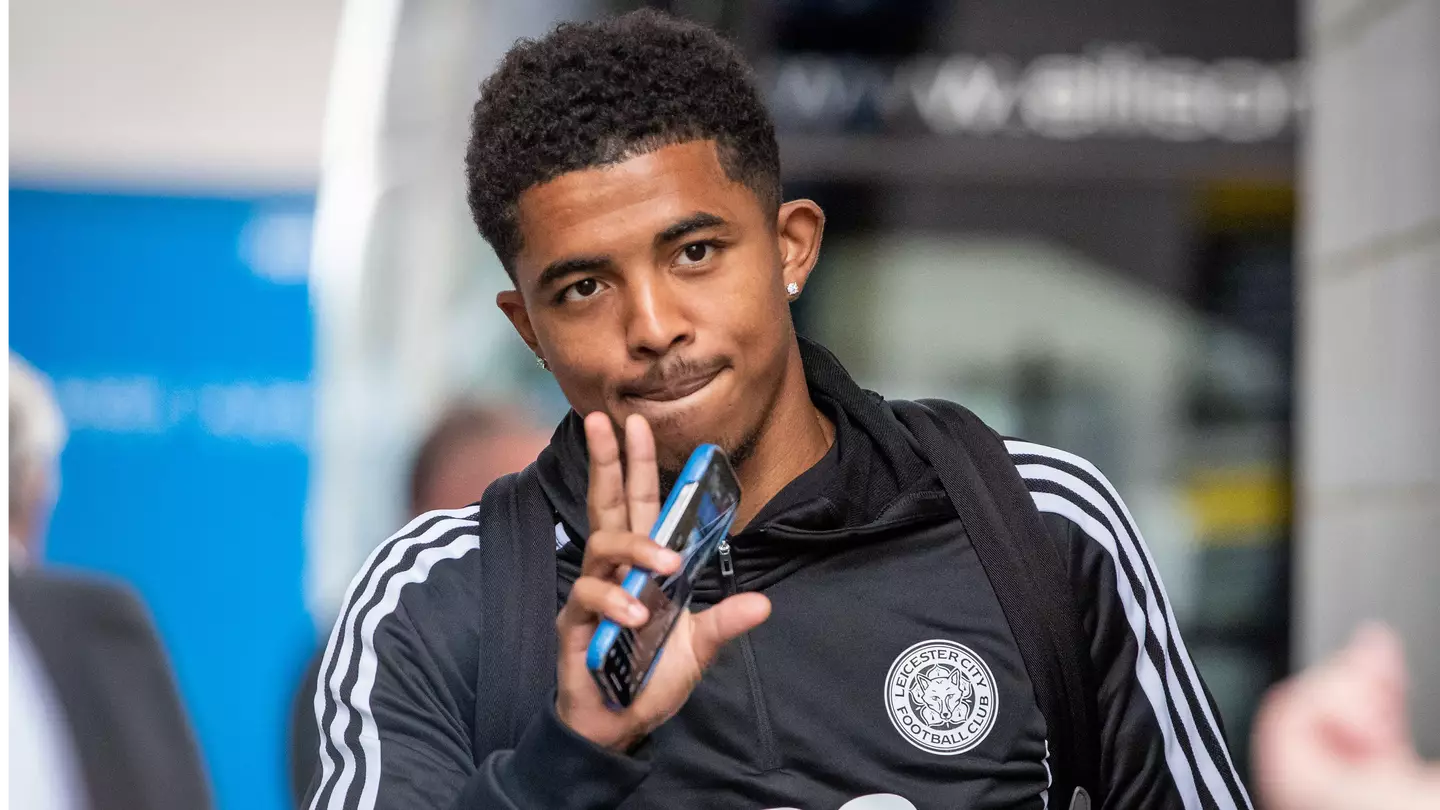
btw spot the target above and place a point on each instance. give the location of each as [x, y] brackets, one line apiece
[598, 93]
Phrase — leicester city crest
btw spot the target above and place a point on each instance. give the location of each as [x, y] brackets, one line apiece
[941, 697]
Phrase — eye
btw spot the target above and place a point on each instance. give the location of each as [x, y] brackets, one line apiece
[696, 253]
[580, 290]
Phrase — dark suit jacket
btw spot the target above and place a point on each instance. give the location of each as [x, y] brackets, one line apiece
[131, 736]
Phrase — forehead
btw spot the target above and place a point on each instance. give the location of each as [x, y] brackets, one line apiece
[609, 210]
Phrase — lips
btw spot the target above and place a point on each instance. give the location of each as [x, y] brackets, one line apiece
[671, 388]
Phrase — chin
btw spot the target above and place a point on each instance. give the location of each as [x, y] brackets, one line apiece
[675, 441]
[682, 425]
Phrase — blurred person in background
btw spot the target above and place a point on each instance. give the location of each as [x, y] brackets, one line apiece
[95, 720]
[627, 174]
[1337, 736]
[468, 448]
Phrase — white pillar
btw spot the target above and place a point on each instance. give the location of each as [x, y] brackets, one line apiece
[1369, 542]
[404, 286]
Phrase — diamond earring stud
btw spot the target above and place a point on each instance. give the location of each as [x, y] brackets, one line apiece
[792, 289]
[540, 361]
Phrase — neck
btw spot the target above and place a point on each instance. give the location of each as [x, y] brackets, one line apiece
[795, 436]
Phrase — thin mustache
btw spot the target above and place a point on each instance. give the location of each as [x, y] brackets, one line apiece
[660, 375]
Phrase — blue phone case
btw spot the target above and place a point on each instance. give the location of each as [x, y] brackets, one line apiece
[715, 494]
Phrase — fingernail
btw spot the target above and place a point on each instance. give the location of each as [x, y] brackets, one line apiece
[668, 558]
[635, 612]
[1372, 636]
[1371, 630]
[1378, 646]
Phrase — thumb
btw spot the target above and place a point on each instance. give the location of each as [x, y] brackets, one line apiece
[712, 628]
[1378, 660]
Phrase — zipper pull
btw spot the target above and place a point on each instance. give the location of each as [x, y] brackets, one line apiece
[727, 563]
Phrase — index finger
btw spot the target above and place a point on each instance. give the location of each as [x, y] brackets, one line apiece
[606, 500]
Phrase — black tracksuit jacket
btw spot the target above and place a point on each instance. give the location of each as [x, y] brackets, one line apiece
[886, 677]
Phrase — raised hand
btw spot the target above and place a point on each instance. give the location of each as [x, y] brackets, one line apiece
[622, 509]
[1336, 736]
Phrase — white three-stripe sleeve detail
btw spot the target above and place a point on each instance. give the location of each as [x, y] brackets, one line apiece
[353, 659]
[1049, 780]
[1150, 679]
[384, 557]
[1157, 619]
[360, 697]
[332, 645]
[1222, 794]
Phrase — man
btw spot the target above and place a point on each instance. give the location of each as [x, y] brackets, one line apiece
[627, 174]
[469, 447]
[95, 721]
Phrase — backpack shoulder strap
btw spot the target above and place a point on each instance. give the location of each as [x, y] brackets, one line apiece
[1028, 575]
[517, 611]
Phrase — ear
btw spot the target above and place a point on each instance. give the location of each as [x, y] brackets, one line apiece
[799, 226]
[918, 687]
[955, 677]
[513, 305]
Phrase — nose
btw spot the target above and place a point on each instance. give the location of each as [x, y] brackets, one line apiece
[658, 320]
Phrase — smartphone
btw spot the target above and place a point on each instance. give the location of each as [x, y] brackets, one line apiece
[696, 519]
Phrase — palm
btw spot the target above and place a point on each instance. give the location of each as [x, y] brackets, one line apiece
[676, 674]
[622, 510]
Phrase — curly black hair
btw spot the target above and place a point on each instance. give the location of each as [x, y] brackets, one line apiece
[595, 93]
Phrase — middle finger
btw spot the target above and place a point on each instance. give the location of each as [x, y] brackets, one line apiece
[642, 476]
[607, 553]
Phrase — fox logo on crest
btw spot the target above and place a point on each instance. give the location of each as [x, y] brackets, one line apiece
[941, 697]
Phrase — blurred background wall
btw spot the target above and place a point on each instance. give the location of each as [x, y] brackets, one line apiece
[1371, 334]
[164, 93]
[164, 157]
[239, 244]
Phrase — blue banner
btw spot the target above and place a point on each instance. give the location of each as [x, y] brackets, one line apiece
[178, 333]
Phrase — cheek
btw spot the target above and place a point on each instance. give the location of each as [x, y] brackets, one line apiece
[585, 392]
[582, 363]
[751, 306]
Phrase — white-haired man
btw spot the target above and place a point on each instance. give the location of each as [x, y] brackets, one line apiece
[37, 435]
[95, 721]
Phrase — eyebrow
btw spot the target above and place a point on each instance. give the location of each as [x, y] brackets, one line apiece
[575, 265]
[561, 268]
[690, 224]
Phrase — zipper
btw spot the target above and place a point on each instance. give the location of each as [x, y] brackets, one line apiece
[769, 756]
